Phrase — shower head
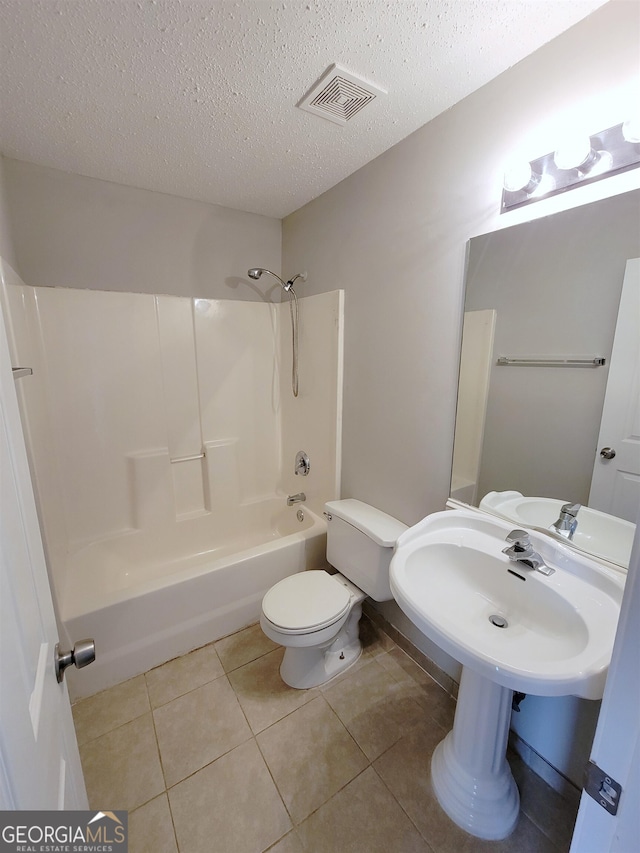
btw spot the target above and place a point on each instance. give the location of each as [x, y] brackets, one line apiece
[256, 272]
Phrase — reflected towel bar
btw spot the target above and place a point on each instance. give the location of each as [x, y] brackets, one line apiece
[187, 458]
[596, 361]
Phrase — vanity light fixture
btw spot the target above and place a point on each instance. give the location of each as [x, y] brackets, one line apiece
[577, 161]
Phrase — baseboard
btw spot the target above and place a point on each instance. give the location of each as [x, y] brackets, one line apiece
[541, 767]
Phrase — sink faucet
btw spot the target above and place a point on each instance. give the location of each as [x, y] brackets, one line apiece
[296, 499]
[520, 550]
[567, 522]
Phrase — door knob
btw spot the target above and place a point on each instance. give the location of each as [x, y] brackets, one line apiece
[607, 453]
[82, 654]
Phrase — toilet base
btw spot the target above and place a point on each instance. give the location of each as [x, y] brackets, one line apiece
[303, 668]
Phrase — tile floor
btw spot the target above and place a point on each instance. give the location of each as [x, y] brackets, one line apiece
[212, 753]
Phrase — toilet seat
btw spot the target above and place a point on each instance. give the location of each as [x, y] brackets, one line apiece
[306, 602]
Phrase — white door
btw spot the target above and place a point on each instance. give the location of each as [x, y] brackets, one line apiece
[616, 746]
[615, 486]
[39, 760]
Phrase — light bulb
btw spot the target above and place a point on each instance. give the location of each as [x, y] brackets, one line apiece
[573, 153]
[631, 129]
[520, 176]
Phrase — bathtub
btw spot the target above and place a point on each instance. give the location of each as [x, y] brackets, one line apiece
[149, 596]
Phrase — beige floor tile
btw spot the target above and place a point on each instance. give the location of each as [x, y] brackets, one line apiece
[526, 838]
[403, 667]
[362, 818]
[289, 844]
[243, 647]
[183, 674]
[110, 708]
[435, 701]
[122, 767]
[197, 728]
[376, 709]
[311, 756]
[264, 696]
[230, 806]
[151, 828]
[406, 771]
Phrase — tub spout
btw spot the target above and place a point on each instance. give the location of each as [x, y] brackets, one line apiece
[296, 499]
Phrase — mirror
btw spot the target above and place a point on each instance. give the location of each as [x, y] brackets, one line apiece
[546, 289]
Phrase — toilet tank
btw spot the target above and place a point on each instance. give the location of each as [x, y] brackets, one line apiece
[360, 543]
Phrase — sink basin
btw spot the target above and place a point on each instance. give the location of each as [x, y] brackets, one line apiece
[450, 577]
[598, 533]
[512, 628]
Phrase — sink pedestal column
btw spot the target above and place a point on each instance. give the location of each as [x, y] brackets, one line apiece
[469, 770]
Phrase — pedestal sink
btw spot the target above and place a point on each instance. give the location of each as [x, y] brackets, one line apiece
[512, 628]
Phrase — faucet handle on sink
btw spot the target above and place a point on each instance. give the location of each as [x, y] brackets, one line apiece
[571, 509]
[519, 539]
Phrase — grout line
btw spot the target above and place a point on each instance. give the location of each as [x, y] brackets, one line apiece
[165, 793]
[155, 734]
[247, 662]
[186, 693]
[173, 822]
[291, 831]
[409, 818]
[339, 791]
[110, 731]
[275, 784]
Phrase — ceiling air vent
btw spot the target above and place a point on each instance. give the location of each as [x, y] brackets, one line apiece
[339, 95]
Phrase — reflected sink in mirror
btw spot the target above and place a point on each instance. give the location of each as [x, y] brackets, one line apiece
[597, 533]
[450, 576]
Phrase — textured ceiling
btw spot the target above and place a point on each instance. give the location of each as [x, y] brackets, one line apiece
[198, 98]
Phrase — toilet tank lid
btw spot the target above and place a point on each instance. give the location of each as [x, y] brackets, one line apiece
[377, 525]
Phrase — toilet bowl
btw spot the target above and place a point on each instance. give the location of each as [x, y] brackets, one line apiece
[315, 614]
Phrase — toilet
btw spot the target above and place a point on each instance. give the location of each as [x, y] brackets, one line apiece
[315, 614]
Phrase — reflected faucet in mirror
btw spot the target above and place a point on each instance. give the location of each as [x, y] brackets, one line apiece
[566, 523]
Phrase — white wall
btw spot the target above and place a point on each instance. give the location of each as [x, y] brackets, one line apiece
[393, 235]
[73, 231]
[6, 242]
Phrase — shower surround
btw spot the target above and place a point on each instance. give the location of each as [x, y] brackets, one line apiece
[162, 434]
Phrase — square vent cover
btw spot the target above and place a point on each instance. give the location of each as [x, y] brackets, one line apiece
[339, 95]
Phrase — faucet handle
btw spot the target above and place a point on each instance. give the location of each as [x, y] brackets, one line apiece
[570, 509]
[519, 539]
